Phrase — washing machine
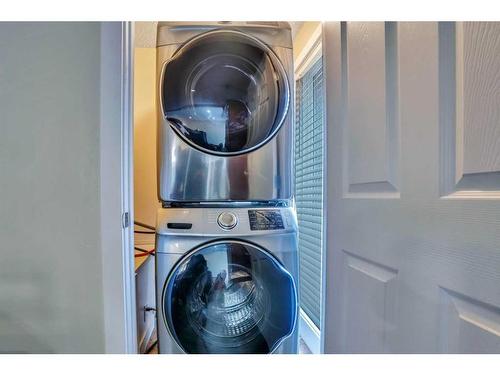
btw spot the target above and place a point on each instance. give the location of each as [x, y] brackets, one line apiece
[225, 118]
[226, 280]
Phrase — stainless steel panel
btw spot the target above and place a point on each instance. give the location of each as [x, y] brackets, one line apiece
[203, 223]
[166, 344]
[172, 245]
[225, 93]
[275, 34]
[189, 175]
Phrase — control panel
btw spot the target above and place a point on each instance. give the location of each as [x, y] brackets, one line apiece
[265, 219]
[226, 221]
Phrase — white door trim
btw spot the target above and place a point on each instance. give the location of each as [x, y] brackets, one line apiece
[309, 333]
[310, 54]
[128, 186]
[331, 63]
[116, 192]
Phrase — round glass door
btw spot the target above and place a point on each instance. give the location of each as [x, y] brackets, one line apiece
[229, 297]
[225, 93]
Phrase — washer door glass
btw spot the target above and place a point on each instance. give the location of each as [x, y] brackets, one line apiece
[225, 93]
[229, 297]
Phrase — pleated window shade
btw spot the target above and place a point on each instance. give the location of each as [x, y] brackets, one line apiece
[309, 133]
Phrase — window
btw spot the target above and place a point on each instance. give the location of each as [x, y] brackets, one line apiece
[309, 134]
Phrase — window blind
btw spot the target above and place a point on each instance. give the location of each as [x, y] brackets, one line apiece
[309, 186]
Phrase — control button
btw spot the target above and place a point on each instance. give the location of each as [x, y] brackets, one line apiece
[227, 220]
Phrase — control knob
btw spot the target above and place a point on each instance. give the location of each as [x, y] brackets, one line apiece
[227, 220]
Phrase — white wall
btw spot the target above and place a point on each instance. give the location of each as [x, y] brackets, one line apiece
[50, 252]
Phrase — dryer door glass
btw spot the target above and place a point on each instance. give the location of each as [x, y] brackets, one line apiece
[225, 93]
[229, 297]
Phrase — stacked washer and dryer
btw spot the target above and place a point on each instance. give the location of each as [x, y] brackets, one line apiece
[226, 243]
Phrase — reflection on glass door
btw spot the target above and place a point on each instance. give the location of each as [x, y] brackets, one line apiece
[230, 297]
[225, 93]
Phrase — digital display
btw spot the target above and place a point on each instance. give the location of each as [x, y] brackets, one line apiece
[265, 219]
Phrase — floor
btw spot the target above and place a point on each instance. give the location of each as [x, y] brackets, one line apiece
[303, 348]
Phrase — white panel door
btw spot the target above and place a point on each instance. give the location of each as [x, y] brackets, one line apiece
[413, 204]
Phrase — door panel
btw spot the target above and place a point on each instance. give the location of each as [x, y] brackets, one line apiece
[419, 272]
[470, 97]
[468, 325]
[371, 127]
[368, 286]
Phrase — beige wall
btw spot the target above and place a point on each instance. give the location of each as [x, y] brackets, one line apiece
[145, 196]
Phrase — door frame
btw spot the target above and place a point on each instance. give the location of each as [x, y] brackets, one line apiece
[116, 175]
[310, 53]
[128, 186]
[331, 63]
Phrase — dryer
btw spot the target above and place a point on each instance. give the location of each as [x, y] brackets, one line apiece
[225, 124]
[226, 280]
